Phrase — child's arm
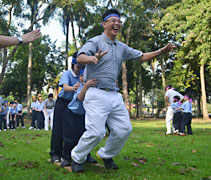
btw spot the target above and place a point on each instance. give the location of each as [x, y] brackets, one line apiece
[71, 88]
[89, 83]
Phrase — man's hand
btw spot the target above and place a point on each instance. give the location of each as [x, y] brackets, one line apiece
[98, 56]
[167, 48]
[91, 83]
[31, 36]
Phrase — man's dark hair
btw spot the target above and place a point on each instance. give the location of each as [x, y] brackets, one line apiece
[50, 95]
[168, 87]
[110, 11]
[177, 97]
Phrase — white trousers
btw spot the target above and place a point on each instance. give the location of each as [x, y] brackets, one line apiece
[47, 116]
[101, 107]
[169, 119]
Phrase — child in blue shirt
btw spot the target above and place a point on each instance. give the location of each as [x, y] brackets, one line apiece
[186, 116]
[39, 108]
[74, 121]
[12, 115]
[69, 82]
[19, 115]
[3, 114]
[177, 118]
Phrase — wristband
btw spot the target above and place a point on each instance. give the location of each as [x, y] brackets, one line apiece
[20, 40]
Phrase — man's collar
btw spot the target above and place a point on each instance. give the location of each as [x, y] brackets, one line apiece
[109, 41]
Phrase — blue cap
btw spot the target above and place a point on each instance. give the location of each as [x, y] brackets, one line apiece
[74, 61]
[81, 72]
[5, 101]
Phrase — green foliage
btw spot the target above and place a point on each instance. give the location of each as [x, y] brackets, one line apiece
[189, 22]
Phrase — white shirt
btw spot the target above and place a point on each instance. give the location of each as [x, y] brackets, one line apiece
[171, 93]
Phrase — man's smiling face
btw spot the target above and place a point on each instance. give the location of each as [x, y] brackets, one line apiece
[111, 27]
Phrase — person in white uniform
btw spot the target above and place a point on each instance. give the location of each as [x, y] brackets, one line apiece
[103, 56]
[48, 111]
[169, 97]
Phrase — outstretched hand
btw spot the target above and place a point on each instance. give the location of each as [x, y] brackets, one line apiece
[168, 48]
[98, 56]
[31, 36]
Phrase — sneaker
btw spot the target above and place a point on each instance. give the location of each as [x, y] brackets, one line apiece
[23, 127]
[65, 162]
[90, 159]
[182, 134]
[0, 130]
[55, 159]
[168, 134]
[5, 130]
[176, 132]
[31, 128]
[109, 163]
[76, 167]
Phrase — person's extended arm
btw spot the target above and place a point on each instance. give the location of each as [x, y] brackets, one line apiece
[89, 83]
[12, 40]
[71, 88]
[151, 55]
[85, 59]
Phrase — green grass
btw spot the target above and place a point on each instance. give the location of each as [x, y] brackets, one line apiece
[148, 154]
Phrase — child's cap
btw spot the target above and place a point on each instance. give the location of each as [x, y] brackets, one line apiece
[39, 98]
[5, 101]
[81, 72]
[33, 96]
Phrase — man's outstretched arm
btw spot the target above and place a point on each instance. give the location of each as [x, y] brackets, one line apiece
[164, 50]
[24, 39]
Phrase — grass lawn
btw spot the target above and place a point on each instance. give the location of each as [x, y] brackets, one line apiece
[148, 154]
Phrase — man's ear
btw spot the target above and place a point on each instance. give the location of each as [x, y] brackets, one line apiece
[104, 24]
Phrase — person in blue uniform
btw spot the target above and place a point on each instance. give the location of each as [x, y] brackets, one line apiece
[12, 115]
[74, 121]
[34, 117]
[19, 116]
[3, 114]
[177, 117]
[69, 82]
[40, 113]
[186, 108]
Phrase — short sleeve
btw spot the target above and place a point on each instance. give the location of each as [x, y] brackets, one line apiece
[130, 53]
[89, 48]
[64, 79]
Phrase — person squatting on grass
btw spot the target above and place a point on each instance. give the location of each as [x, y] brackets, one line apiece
[177, 118]
[103, 56]
[74, 121]
[69, 82]
[169, 96]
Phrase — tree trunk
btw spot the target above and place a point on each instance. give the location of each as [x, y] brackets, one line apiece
[124, 73]
[29, 79]
[163, 78]
[140, 88]
[198, 106]
[73, 33]
[203, 92]
[66, 44]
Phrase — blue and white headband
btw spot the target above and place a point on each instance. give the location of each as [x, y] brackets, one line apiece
[111, 15]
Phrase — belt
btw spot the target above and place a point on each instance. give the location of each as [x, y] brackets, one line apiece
[107, 89]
